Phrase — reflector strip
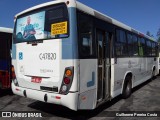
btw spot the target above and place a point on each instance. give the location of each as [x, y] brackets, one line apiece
[58, 97]
[17, 89]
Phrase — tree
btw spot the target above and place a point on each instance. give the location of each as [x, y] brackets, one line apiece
[149, 34]
[158, 39]
[158, 35]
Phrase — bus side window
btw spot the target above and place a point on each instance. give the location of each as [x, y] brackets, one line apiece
[130, 44]
[86, 42]
[141, 47]
[140, 50]
[121, 43]
[3, 46]
[149, 48]
[154, 49]
[135, 45]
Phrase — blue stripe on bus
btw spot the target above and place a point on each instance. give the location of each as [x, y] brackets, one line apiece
[69, 45]
[92, 82]
[3, 65]
[13, 51]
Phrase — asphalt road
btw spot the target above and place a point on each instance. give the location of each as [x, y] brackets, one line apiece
[145, 97]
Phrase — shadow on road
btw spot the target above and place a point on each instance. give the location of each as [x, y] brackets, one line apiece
[143, 84]
[53, 110]
[4, 92]
[60, 111]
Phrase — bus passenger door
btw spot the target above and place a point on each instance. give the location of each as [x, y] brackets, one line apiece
[103, 51]
[107, 65]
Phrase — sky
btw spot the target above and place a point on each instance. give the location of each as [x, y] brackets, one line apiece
[142, 15]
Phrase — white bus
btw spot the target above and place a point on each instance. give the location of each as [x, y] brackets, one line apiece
[72, 55]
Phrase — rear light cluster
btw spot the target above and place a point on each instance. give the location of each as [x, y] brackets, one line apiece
[13, 73]
[14, 79]
[67, 80]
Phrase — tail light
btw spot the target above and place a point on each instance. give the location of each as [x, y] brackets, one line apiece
[68, 73]
[67, 80]
[13, 73]
[14, 79]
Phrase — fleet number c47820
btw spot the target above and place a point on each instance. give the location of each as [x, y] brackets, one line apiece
[47, 56]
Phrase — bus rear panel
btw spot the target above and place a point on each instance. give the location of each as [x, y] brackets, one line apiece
[44, 64]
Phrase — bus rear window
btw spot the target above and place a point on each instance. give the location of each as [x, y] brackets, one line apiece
[42, 24]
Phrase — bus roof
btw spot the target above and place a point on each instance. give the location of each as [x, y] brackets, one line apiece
[88, 10]
[6, 30]
[104, 17]
[72, 4]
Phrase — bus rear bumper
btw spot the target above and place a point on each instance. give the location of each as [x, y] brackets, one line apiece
[69, 100]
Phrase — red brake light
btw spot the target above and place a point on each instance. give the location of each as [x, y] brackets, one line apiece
[66, 80]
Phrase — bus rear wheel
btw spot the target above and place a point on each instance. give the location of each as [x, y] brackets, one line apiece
[127, 87]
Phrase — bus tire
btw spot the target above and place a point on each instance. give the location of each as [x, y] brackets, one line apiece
[127, 87]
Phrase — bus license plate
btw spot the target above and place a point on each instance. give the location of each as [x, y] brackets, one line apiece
[36, 79]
